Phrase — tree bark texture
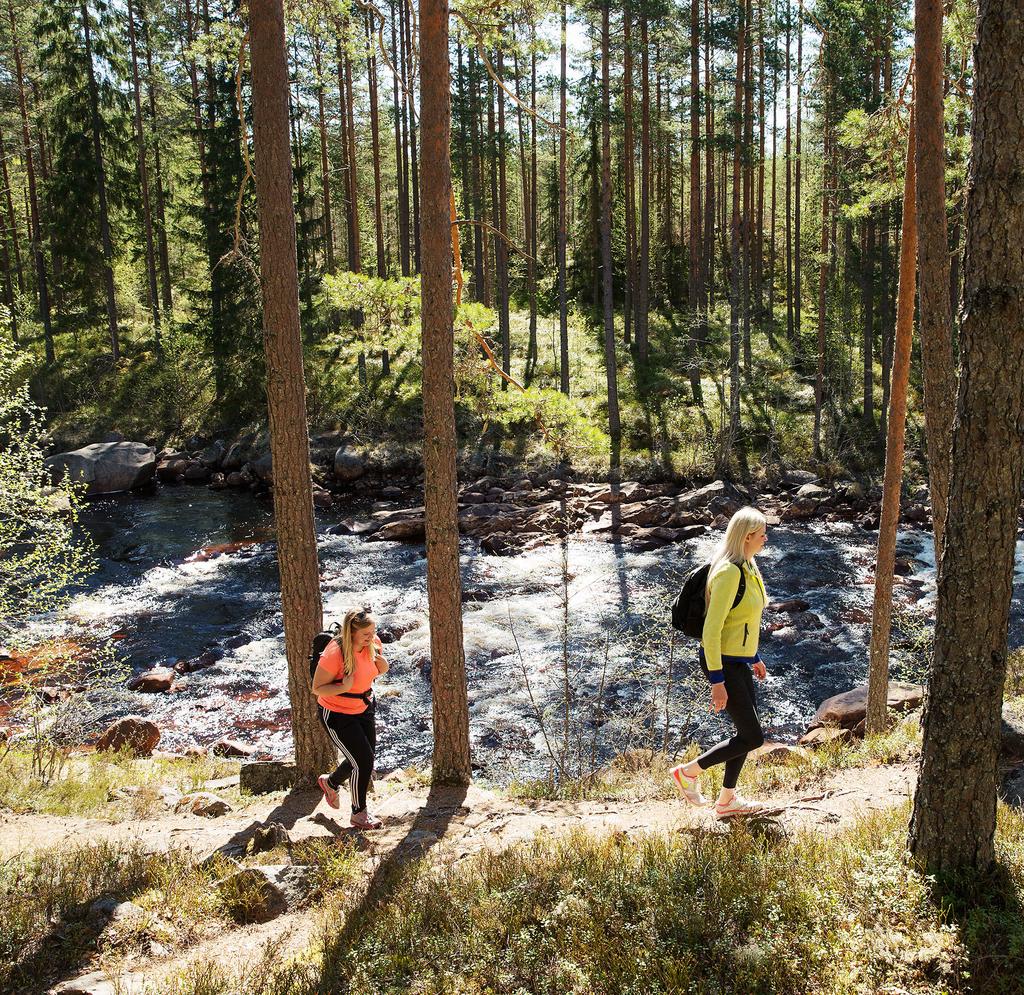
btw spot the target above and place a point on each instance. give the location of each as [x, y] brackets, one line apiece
[953, 821]
[286, 387]
[451, 761]
[885, 559]
[933, 253]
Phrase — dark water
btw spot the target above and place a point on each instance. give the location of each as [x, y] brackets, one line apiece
[612, 654]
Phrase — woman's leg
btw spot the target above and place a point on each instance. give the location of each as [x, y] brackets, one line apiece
[742, 709]
[348, 735]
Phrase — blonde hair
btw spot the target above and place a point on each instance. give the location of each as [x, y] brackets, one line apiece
[358, 618]
[730, 549]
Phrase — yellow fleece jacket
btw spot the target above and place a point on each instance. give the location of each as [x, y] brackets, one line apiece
[732, 631]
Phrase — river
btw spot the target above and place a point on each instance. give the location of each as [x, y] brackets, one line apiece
[611, 650]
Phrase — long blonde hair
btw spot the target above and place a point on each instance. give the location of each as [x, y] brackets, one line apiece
[745, 521]
[358, 618]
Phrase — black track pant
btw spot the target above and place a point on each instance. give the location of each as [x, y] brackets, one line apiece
[742, 709]
[355, 736]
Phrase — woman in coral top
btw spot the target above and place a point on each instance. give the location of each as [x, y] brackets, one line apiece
[343, 684]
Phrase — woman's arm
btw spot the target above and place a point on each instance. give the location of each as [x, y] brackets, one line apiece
[325, 683]
[378, 658]
[724, 586]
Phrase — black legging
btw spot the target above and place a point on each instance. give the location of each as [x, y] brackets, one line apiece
[356, 737]
[742, 709]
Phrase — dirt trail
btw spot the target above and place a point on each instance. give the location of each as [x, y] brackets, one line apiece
[456, 823]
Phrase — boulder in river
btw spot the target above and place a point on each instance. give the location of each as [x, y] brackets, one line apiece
[349, 466]
[263, 468]
[137, 735]
[106, 467]
[847, 709]
[225, 747]
[153, 680]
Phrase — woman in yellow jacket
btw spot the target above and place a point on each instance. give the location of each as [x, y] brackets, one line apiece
[730, 659]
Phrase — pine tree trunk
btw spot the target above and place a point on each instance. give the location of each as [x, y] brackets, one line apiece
[101, 190]
[630, 175]
[734, 236]
[140, 143]
[158, 179]
[378, 217]
[933, 254]
[709, 168]
[696, 294]
[501, 215]
[819, 380]
[953, 822]
[36, 233]
[325, 165]
[414, 161]
[401, 144]
[451, 759]
[868, 320]
[12, 220]
[286, 388]
[563, 316]
[797, 281]
[790, 323]
[643, 279]
[606, 236]
[881, 617]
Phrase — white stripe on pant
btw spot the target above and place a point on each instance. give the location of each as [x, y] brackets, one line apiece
[353, 781]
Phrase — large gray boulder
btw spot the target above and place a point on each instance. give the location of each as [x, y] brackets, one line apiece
[846, 710]
[349, 466]
[106, 467]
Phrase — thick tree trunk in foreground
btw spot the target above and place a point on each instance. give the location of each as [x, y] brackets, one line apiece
[885, 560]
[286, 386]
[451, 763]
[954, 817]
[933, 254]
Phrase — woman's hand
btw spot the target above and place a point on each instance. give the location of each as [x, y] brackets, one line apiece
[719, 697]
[760, 670]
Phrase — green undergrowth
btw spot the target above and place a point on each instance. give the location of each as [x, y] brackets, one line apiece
[47, 929]
[166, 397]
[113, 786]
[696, 912]
[641, 774]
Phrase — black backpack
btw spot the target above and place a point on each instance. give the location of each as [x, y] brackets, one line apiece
[689, 608]
[320, 643]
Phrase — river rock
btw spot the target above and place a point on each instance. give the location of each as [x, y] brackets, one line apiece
[197, 472]
[391, 493]
[171, 469]
[95, 983]
[235, 479]
[137, 735]
[821, 735]
[403, 530]
[259, 894]
[793, 605]
[225, 747]
[798, 478]
[264, 776]
[703, 496]
[263, 468]
[349, 466]
[154, 680]
[203, 803]
[1012, 734]
[814, 491]
[212, 455]
[322, 499]
[778, 753]
[847, 709]
[106, 467]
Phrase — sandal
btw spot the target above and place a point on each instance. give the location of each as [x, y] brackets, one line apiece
[687, 787]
